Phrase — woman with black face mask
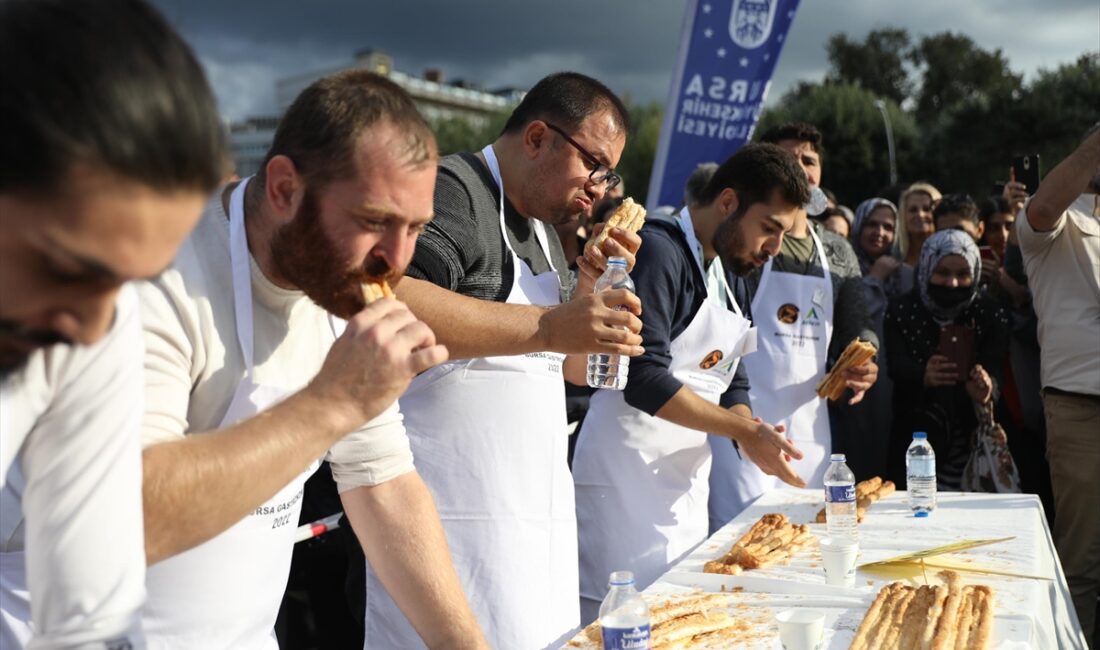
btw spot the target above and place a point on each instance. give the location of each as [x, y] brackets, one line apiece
[946, 344]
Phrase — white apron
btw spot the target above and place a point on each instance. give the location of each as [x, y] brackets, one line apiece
[783, 377]
[489, 440]
[225, 593]
[641, 481]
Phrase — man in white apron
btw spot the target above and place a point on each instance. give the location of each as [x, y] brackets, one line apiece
[642, 461]
[813, 286]
[488, 432]
[90, 199]
[252, 377]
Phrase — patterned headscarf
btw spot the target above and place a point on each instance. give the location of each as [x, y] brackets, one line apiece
[937, 247]
[891, 284]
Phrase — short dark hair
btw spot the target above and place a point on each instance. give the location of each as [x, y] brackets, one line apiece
[995, 204]
[320, 130]
[106, 83]
[565, 99]
[698, 181]
[757, 171]
[958, 203]
[799, 131]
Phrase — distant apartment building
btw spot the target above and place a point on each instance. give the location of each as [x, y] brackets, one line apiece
[436, 99]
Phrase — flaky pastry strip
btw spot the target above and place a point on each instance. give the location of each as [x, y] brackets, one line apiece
[629, 216]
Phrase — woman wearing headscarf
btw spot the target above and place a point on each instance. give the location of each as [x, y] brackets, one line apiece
[932, 391]
[916, 204]
[860, 431]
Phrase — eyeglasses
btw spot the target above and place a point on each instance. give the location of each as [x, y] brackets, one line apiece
[601, 173]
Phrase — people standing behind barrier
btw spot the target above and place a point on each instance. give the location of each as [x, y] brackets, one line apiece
[916, 225]
[1059, 234]
[945, 345]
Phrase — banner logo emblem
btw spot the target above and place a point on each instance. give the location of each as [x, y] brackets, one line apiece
[751, 22]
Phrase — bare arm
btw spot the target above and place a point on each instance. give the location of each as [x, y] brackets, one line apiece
[761, 442]
[198, 486]
[1064, 184]
[398, 527]
[472, 328]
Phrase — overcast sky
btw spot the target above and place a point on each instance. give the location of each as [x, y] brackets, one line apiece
[629, 44]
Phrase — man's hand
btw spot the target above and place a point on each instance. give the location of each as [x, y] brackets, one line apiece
[940, 372]
[979, 385]
[591, 324]
[372, 363]
[769, 450]
[884, 266]
[1014, 192]
[991, 274]
[592, 264]
[860, 379]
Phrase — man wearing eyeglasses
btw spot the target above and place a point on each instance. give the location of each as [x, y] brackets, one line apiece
[488, 431]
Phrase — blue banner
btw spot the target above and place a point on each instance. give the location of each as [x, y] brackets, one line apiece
[728, 51]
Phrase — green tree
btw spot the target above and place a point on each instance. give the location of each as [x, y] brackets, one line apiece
[953, 70]
[855, 162]
[460, 134]
[636, 163]
[877, 64]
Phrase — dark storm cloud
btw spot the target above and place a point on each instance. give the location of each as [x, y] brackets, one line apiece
[629, 44]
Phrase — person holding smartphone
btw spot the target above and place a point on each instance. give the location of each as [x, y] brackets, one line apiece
[945, 343]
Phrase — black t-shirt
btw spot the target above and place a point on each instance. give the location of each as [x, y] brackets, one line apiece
[462, 249]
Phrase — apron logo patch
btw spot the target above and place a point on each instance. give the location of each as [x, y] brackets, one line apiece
[788, 314]
[812, 315]
[711, 360]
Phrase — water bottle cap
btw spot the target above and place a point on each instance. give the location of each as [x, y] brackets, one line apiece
[921, 513]
[621, 578]
[920, 435]
[838, 458]
[616, 261]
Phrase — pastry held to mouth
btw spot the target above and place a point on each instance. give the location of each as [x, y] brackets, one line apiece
[376, 290]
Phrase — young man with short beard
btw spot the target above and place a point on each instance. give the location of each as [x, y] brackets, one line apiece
[688, 383]
[109, 143]
[253, 376]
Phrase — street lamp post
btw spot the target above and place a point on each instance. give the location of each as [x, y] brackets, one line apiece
[881, 106]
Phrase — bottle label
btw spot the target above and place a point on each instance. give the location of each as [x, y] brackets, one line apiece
[631, 638]
[922, 468]
[840, 493]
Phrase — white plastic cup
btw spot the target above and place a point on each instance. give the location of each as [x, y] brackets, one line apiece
[839, 557]
[801, 629]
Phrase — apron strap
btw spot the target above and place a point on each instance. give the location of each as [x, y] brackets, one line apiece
[241, 275]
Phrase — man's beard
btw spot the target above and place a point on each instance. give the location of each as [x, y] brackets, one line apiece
[17, 343]
[307, 258]
[729, 240]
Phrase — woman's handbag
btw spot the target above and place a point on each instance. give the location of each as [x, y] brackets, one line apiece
[990, 467]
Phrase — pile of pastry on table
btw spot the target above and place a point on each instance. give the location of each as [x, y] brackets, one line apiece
[948, 616]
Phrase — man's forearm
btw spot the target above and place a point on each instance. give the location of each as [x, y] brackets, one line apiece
[485, 329]
[398, 527]
[1064, 184]
[688, 409]
[197, 487]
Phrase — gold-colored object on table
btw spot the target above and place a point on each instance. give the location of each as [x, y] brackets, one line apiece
[867, 492]
[911, 565]
[771, 540]
[928, 617]
[856, 354]
[628, 216]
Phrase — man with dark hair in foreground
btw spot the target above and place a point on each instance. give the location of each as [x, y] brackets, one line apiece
[109, 143]
[689, 381]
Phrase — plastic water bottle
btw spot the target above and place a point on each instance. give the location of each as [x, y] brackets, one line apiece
[610, 370]
[920, 475]
[624, 616]
[840, 499]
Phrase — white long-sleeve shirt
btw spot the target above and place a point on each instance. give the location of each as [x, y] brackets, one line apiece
[71, 512]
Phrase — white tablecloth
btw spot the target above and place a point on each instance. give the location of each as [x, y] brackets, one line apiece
[1030, 613]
